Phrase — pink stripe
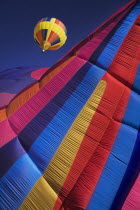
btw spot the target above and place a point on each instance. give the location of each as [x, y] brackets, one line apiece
[133, 199]
[37, 74]
[86, 51]
[31, 108]
[6, 132]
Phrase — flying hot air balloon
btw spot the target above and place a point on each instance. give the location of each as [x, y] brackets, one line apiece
[50, 34]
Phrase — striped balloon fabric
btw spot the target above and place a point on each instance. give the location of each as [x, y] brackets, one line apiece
[50, 34]
[70, 139]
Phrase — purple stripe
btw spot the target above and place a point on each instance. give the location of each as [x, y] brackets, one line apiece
[9, 153]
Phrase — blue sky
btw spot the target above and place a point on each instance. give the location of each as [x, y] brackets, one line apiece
[19, 17]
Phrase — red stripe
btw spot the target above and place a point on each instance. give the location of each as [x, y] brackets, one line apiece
[112, 105]
[55, 48]
[128, 55]
[100, 135]
[60, 24]
[57, 21]
[39, 36]
[52, 37]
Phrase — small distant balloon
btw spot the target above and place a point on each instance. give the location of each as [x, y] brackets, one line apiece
[50, 34]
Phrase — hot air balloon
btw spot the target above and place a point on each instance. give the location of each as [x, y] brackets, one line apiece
[50, 34]
[70, 134]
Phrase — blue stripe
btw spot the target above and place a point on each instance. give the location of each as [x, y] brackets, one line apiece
[114, 44]
[56, 41]
[17, 183]
[30, 133]
[44, 33]
[48, 19]
[130, 176]
[93, 59]
[23, 174]
[132, 114]
[114, 170]
[51, 137]
[119, 158]
[120, 155]
[136, 85]
[9, 153]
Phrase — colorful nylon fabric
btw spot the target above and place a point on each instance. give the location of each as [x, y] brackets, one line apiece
[70, 136]
[50, 33]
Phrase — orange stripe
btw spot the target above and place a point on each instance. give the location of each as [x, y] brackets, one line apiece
[3, 114]
[52, 74]
[20, 99]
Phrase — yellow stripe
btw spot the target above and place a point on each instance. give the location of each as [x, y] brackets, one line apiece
[45, 193]
[40, 197]
[62, 36]
[61, 163]
[50, 27]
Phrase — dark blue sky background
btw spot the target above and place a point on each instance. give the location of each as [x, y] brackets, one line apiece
[19, 17]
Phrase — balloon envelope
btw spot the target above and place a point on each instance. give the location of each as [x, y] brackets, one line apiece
[50, 34]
